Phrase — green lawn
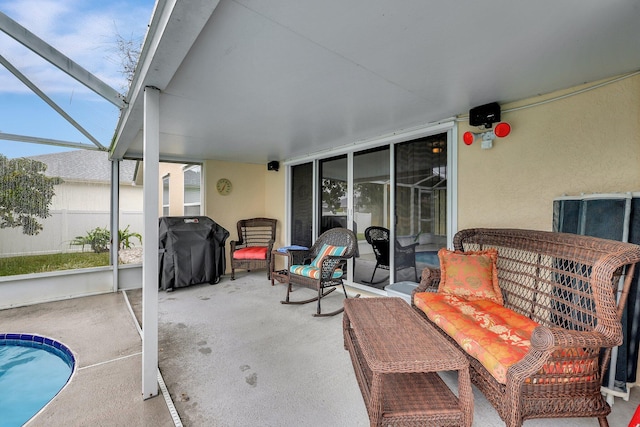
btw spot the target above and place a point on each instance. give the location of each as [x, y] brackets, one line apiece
[52, 262]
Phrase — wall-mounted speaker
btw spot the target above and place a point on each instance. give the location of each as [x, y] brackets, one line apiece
[273, 166]
[485, 115]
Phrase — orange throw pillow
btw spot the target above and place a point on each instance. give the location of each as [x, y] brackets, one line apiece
[470, 275]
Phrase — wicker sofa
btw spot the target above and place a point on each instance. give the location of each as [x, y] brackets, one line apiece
[566, 286]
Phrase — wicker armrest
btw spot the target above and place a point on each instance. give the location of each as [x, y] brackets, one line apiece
[555, 344]
[332, 260]
[430, 280]
[330, 264]
[298, 256]
[409, 249]
[235, 243]
[549, 339]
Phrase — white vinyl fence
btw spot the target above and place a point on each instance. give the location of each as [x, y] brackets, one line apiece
[60, 229]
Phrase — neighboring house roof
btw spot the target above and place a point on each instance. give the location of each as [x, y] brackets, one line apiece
[85, 165]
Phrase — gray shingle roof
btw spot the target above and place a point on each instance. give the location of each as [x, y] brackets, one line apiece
[85, 165]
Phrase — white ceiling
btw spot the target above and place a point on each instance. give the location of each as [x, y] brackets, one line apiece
[255, 80]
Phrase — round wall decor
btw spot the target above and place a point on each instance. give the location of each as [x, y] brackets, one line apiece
[223, 186]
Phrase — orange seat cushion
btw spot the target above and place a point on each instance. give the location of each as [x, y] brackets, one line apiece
[497, 336]
[471, 275]
[253, 252]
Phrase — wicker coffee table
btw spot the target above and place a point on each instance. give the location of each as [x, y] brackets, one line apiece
[396, 357]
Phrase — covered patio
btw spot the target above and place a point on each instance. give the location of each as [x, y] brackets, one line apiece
[235, 85]
[244, 359]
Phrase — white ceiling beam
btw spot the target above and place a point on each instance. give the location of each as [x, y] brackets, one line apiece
[59, 60]
[49, 101]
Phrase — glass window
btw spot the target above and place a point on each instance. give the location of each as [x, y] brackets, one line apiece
[165, 195]
[371, 186]
[192, 177]
[421, 202]
[302, 204]
[333, 195]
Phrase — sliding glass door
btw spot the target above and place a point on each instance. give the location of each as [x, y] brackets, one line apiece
[399, 191]
[371, 206]
[421, 204]
[333, 193]
[301, 219]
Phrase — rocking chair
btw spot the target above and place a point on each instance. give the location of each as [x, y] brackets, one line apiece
[405, 256]
[321, 267]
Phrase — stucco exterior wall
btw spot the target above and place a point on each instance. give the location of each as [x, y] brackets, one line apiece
[176, 187]
[585, 143]
[256, 192]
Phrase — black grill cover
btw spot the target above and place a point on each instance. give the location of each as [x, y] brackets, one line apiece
[191, 250]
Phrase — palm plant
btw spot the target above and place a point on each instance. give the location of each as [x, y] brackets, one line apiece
[125, 238]
[99, 239]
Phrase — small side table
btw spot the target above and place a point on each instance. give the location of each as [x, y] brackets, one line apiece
[282, 276]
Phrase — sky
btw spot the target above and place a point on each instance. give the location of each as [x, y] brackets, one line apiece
[85, 31]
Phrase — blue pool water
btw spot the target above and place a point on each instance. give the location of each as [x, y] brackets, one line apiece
[33, 369]
[428, 257]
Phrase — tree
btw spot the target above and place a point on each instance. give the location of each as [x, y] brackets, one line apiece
[332, 193]
[127, 52]
[369, 194]
[25, 194]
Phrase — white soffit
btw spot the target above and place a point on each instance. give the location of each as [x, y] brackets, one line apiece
[281, 79]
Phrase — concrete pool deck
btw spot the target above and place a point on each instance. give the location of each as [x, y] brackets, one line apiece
[230, 354]
[106, 387]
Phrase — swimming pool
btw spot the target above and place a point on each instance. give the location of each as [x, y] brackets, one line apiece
[428, 257]
[33, 369]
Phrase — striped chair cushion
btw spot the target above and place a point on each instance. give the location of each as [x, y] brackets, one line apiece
[314, 270]
[326, 250]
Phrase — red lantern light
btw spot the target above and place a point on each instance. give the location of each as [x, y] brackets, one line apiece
[468, 138]
[502, 129]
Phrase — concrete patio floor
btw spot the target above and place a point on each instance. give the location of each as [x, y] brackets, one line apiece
[230, 355]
